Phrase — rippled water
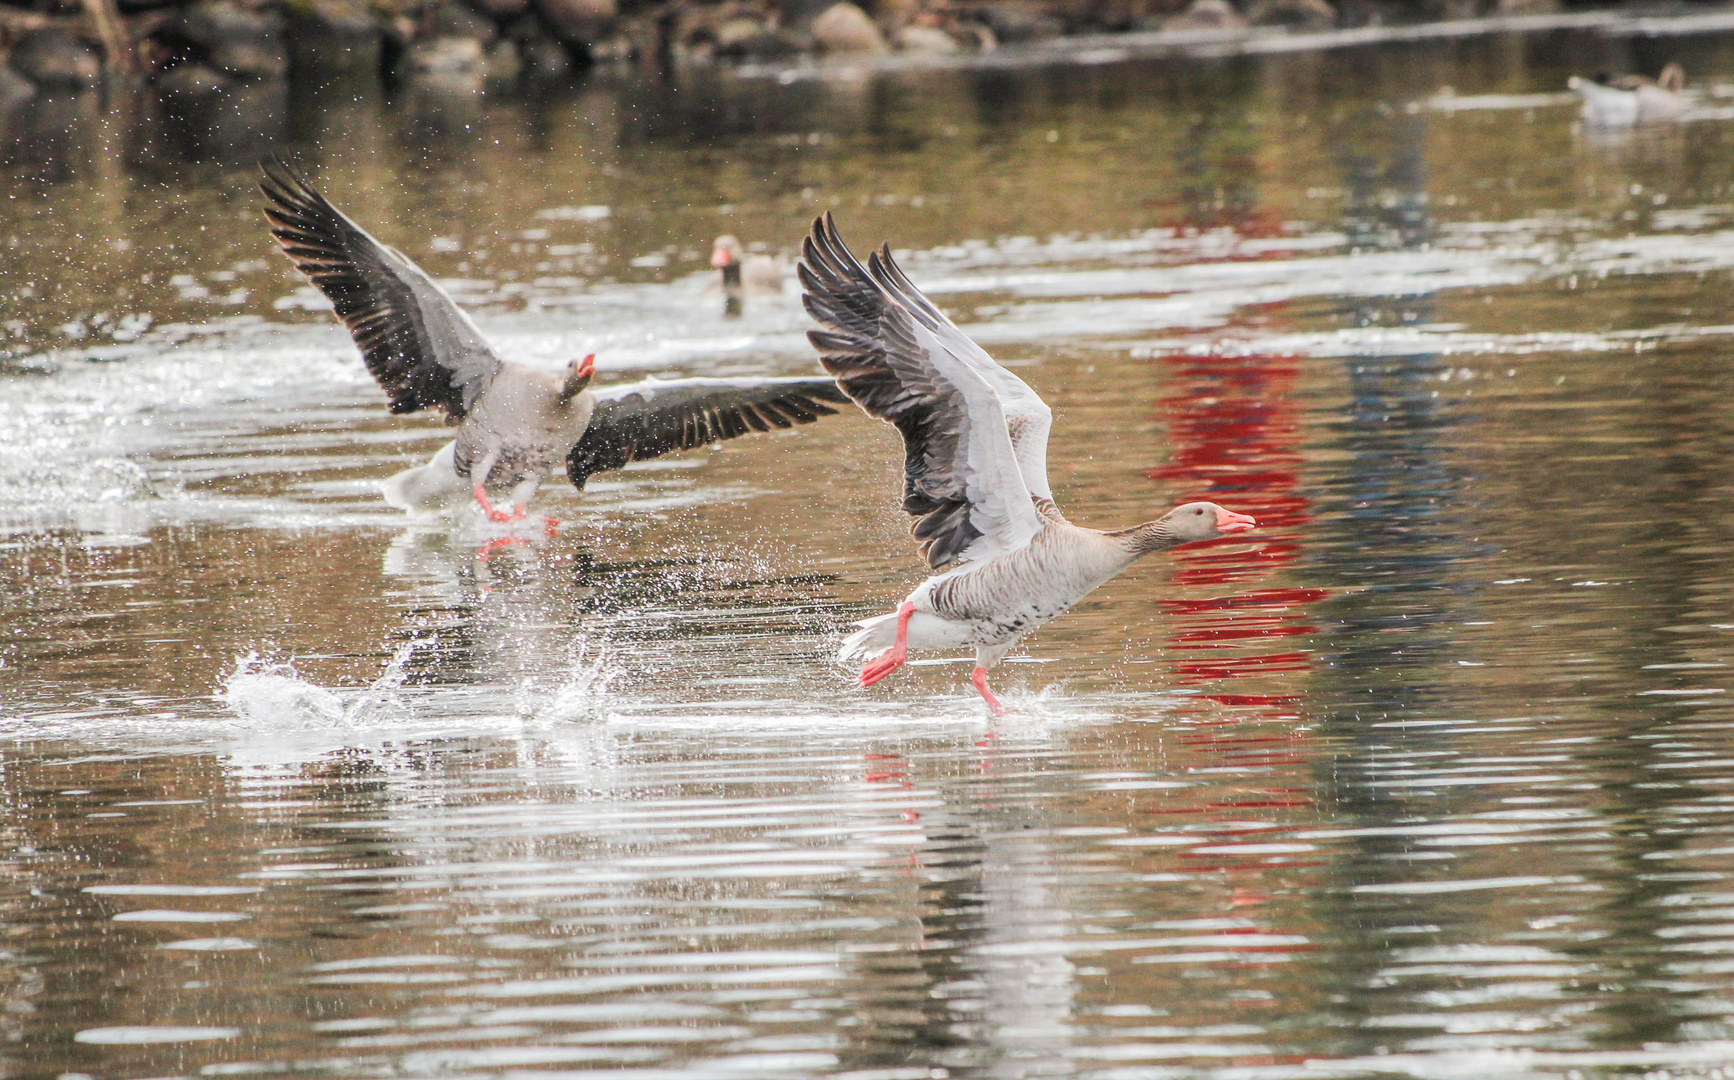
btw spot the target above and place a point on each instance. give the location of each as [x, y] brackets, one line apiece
[1429, 777]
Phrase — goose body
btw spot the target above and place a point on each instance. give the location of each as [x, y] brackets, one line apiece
[975, 471]
[516, 424]
[1625, 100]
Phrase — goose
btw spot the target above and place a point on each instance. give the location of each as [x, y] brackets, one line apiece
[1624, 100]
[516, 424]
[975, 477]
[744, 275]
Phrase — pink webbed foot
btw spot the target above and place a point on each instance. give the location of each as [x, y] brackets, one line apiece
[494, 513]
[979, 678]
[893, 658]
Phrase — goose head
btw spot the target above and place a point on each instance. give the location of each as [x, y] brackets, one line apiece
[578, 374]
[725, 252]
[1192, 522]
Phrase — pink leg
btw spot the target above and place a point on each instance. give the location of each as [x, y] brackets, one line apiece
[979, 678]
[896, 654]
[488, 507]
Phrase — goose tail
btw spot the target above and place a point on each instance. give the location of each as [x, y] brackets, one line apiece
[426, 486]
[874, 637]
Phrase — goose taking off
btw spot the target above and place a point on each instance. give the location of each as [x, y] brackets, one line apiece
[975, 472]
[516, 424]
[1624, 100]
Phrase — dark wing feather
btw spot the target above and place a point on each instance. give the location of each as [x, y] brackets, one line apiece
[419, 345]
[639, 421]
[889, 349]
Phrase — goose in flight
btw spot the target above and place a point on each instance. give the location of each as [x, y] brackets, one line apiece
[516, 424]
[975, 474]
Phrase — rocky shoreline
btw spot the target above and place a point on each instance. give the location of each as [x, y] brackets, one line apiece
[212, 47]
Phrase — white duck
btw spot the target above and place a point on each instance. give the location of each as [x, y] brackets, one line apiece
[516, 424]
[975, 473]
[1624, 100]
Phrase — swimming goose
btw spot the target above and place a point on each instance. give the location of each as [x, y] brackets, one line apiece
[1624, 100]
[516, 424]
[975, 472]
[744, 275]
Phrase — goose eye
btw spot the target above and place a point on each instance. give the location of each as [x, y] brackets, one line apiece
[1200, 510]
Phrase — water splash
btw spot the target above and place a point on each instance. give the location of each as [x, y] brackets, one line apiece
[265, 692]
[580, 695]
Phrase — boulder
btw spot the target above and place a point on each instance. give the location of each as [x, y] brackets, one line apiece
[54, 60]
[845, 28]
[1295, 14]
[578, 22]
[191, 80]
[450, 19]
[546, 60]
[454, 59]
[1207, 15]
[1017, 20]
[228, 38]
[504, 64]
[916, 38]
[15, 89]
[333, 35]
[501, 11]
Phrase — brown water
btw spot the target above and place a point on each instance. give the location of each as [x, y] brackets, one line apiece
[1431, 776]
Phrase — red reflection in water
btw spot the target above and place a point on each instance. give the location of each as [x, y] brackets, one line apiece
[1235, 435]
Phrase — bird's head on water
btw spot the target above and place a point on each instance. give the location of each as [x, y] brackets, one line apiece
[578, 374]
[725, 252]
[1195, 521]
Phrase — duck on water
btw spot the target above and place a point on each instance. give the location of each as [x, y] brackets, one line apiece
[1624, 100]
[516, 424]
[975, 474]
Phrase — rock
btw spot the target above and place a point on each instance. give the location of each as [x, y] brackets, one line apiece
[333, 35]
[1015, 21]
[457, 59]
[229, 39]
[1207, 15]
[501, 11]
[578, 22]
[191, 80]
[926, 39]
[450, 19]
[15, 89]
[1295, 14]
[546, 60]
[845, 28]
[504, 64]
[56, 61]
[767, 44]
[1528, 7]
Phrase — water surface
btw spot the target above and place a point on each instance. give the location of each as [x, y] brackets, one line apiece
[1428, 777]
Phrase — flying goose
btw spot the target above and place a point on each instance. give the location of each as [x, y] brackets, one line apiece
[1624, 100]
[516, 424]
[975, 473]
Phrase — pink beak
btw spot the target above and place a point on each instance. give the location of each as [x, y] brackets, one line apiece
[587, 367]
[719, 259]
[1227, 521]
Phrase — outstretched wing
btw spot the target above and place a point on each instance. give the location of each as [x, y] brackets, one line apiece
[639, 421]
[1026, 414]
[419, 345]
[961, 475]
